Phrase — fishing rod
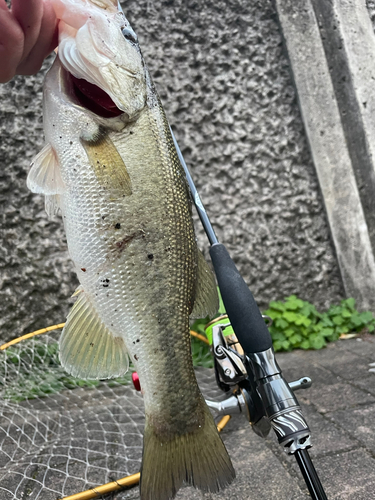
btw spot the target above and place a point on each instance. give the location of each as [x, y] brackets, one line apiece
[260, 391]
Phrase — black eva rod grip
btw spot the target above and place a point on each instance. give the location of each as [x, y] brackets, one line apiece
[245, 317]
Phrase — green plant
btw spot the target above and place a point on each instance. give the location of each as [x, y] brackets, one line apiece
[298, 324]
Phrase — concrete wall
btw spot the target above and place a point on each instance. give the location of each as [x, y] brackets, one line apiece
[331, 48]
[224, 79]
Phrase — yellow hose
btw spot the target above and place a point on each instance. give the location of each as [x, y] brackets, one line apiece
[199, 336]
[32, 334]
[106, 488]
[61, 325]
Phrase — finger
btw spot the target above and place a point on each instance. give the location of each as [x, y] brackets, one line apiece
[29, 14]
[3, 5]
[46, 41]
[11, 43]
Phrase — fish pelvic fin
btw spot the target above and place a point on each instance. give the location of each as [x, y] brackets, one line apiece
[196, 458]
[88, 349]
[206, 301]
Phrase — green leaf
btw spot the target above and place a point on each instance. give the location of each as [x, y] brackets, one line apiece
[281, 323]
[273, 314]
[295, 339]
[345, 313]
[285, 345]
[366, 316]
[326, 332]
[356, 320]
[289, 332]
[334, 310]
[305, 344]
[279, 306]
[325, 320]
[277, 346]
[199, 324]
[306, 321]
[350, 303]
[290, 316]
[278, 336]
[293, 303]
[338, 320]
[318, 342]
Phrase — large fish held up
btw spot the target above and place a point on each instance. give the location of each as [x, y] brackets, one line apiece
[110, 166]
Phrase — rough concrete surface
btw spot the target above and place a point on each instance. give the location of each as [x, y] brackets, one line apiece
[225, 82]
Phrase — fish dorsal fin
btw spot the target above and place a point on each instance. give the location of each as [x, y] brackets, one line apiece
[206, 298]
[88, 349]
[109, 168]
[44, 176]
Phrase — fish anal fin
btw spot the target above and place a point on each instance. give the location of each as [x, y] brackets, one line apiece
[88, 349]
[45, 176]
[206, 301]
[198, 458]
[109, 168]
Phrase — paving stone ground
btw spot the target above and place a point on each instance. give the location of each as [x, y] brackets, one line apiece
[339, 408]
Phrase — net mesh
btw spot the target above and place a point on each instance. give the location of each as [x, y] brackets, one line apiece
[60, 435]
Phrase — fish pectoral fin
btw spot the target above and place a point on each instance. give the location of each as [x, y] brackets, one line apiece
[44, 176]
[88, 349]
[206, 301]
[109, 168]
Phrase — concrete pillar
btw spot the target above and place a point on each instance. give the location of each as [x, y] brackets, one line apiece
[331, 48]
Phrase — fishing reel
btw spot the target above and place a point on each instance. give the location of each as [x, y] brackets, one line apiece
[258, 389]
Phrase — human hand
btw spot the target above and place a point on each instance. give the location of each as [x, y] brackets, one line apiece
[28, 33]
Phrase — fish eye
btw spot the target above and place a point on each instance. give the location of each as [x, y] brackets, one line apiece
[129, 34]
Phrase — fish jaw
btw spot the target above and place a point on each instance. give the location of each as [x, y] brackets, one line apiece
[92, 47]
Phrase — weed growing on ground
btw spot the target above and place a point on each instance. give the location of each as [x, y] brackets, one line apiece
[298, 325]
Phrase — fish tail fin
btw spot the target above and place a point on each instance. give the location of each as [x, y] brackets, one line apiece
[198, 458]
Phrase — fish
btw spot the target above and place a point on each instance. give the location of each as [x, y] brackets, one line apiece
[110, 167]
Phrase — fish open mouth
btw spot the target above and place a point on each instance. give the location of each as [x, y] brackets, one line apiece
[93, 98]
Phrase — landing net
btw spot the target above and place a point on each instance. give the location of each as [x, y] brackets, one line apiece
[60, 435]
